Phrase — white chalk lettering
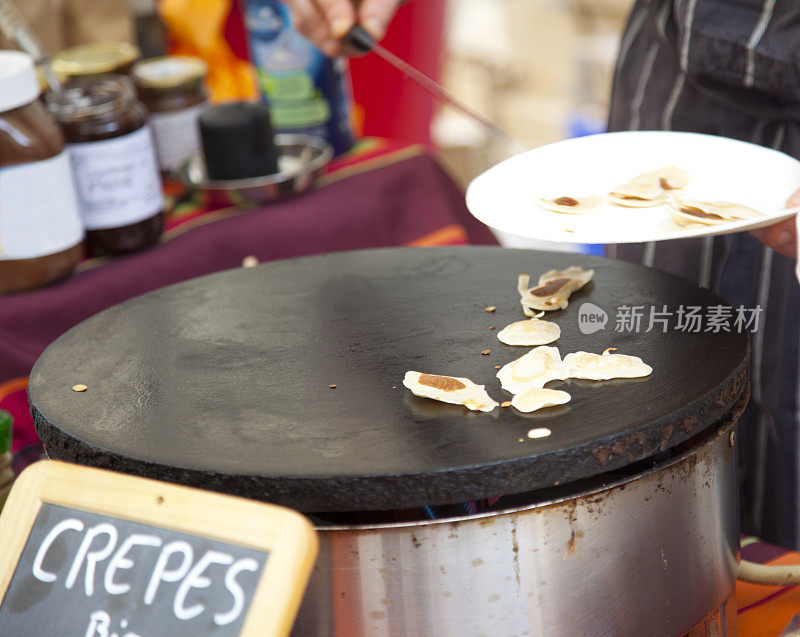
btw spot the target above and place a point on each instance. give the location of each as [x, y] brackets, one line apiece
[244, 564]
[160, 572]
[120, 562]
[65, 525]
[99, 623]
[196, 579]
[93, 557]
[100, 555]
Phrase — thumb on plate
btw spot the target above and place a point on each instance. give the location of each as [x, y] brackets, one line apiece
[782, 237]
[794, 200]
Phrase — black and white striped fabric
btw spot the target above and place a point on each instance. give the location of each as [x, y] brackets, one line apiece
[732, 68]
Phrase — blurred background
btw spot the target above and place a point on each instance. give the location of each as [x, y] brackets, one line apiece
[541, 69]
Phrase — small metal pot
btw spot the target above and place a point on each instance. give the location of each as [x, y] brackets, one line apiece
[301, 160]
[653, 553]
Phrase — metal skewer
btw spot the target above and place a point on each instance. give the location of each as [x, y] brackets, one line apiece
[359, 39]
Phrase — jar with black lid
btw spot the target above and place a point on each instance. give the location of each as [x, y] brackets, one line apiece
[172, 88]
[113, 161]
[41, 235]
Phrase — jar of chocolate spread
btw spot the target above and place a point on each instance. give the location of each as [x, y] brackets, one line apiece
[172, 90]
[41, 236]
[113, 162]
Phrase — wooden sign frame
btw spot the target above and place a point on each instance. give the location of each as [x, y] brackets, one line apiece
[286, 535]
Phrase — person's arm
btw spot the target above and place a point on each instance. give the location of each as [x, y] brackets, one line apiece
[782, 237]
[325, 22]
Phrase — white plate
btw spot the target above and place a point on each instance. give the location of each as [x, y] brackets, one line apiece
[720, 169]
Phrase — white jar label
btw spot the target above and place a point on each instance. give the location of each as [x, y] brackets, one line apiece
[117, 180]
[177, 135]
[38, 209]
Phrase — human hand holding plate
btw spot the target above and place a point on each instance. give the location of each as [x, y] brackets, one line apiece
[782, 237]
[725, 176]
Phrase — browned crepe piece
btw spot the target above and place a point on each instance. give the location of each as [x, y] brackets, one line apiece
[571, 205]
[553, 290]
[449, 389]
[642, 187]
[651, 188]
[636, 202]
[709, 213]
[671, 178]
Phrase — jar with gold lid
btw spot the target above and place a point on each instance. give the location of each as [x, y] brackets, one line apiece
[172, 88]
[95, 58]
[114, 163]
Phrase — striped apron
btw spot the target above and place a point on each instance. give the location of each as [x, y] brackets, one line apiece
[732, 68]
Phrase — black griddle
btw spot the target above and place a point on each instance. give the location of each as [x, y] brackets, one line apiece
[222, 382]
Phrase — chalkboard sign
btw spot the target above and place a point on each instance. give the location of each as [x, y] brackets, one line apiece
[94, 553]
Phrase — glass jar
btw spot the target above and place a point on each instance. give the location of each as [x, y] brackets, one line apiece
[41, 235]
[172, 90]
[95, 58]
[113, 161]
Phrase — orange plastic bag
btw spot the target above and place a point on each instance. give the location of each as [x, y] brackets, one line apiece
[196, 28]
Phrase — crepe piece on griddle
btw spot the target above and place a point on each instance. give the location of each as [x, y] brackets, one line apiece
[571, 205]
[450, 389]
[529, 332]
[533, 370]
[539, 398]
[553, 290]
[605, 366]
[709, 213]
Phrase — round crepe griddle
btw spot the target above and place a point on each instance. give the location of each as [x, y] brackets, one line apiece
[222, 382]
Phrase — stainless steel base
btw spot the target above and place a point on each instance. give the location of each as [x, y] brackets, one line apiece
[653, 554]
[720, 623]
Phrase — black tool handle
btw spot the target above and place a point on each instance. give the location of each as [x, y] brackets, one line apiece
[358, 38]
